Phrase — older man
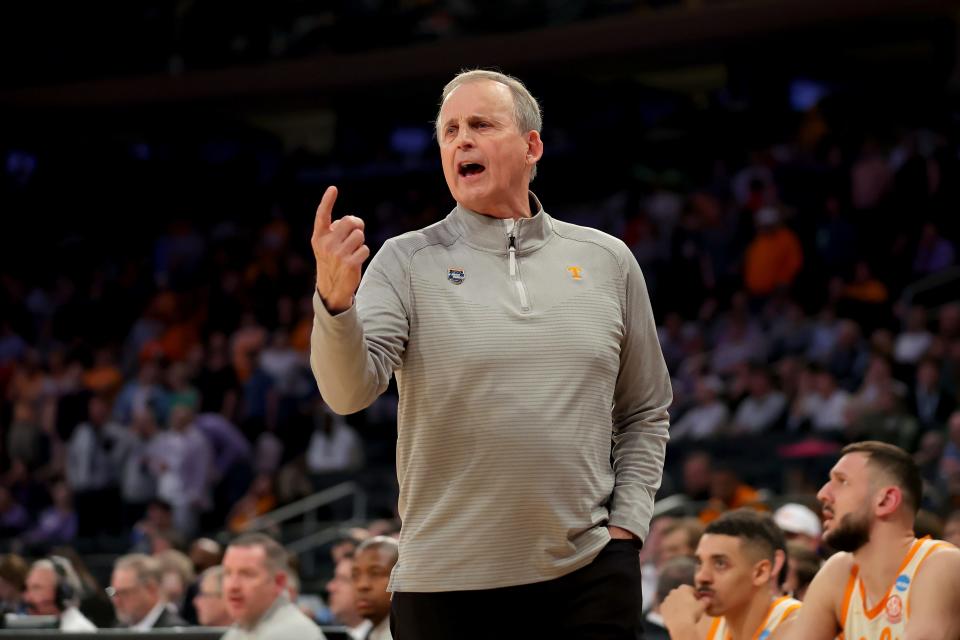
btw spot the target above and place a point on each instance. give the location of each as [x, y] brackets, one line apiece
[209, 602]
[135, 591]
[255, 587]
[53, 589]
[533, 393]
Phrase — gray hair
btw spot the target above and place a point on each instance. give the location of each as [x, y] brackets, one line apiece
[146, 568]
[63, 569]
[380, 543]
[214, 573]
[526, 110]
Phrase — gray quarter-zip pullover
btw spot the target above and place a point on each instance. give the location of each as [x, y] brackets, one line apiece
[533, 394]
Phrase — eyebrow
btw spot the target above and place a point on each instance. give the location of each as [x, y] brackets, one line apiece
[471, 118]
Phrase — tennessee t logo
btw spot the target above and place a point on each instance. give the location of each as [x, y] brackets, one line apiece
[575, 272]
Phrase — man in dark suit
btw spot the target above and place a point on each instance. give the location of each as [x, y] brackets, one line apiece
[135, 592]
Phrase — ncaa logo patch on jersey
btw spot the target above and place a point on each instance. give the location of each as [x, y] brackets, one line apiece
[456, 276]
[903, 581]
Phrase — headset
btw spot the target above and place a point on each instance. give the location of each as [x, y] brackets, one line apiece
[65, 593]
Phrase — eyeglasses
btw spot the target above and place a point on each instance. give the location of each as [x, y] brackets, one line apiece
[119, 593]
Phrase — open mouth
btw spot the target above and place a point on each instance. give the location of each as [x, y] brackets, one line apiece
[467, 169]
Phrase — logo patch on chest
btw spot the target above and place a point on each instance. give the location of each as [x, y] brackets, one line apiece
[456, 276]
[894, 609]
[576, 273]
[903, 581]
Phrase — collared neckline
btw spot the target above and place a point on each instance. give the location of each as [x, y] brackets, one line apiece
[151, 618]
[487, 233]
[281, 601]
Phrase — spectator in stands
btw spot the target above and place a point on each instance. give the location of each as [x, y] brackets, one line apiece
[675, 572]
[209, 602]
[156, 523]
[217, 381]
[799, 524]
[914, 341]
[143, 392]
[697, 468]
[886, 421]
[372, 564]
[951, 528]
[138, 483]
[176, 575]
[774, 258]
[934, 252]
[95, 456]
[705, 419]
[728, 492]
[342, 600]
[849, 358]
[255, 587]
[57, 523]
[232, 468]
[763, 408]
[13, 580]
[53, 589]
[136, 594]
[334, 446]
[822, 405]
[259, 500]
[181, 457]
[14, 519]
[802, 565]
[928, 400]
[679, 540]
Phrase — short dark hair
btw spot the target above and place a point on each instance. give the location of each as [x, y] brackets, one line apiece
[277, 557]
[895, 463]
[757, 529]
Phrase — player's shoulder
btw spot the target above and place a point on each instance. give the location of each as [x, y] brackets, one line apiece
[836, 570]
[941, 559]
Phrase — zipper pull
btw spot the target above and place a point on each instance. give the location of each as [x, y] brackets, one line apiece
[512, 251]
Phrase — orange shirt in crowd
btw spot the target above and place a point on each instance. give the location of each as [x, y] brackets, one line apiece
[772, 260]
[744, 496]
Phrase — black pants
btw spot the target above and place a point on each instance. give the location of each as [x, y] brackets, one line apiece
[600, 601]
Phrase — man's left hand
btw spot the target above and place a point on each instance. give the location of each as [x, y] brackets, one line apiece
[618, 533]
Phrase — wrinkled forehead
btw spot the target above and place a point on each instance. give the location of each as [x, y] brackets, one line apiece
[477, 97]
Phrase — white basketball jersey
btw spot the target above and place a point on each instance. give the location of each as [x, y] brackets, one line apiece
[887, 620]
[777, 613]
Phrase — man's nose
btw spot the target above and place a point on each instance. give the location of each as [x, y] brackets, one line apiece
[823, 494]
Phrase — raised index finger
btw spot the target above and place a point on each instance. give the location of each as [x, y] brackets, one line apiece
[321, 225]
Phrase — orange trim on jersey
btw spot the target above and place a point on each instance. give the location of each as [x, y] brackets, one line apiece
[713, 628]
[939, 545]
[879, 607]
[847, 594]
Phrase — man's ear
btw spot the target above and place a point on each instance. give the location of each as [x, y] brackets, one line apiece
[534, 147]
[762, 571]
[888, 500]
[281, 579]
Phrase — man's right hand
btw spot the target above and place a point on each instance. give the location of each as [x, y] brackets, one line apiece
[681, 611]
[340, 251]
